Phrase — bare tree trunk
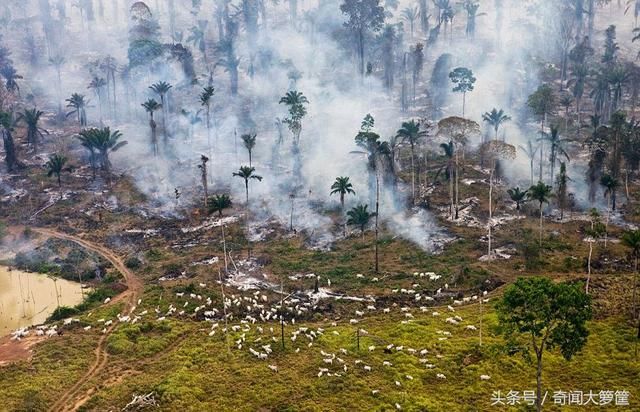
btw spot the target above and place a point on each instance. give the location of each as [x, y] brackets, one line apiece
[539, 382]
[589, 267]
[377, 212]
[490, 210]
[413, 176]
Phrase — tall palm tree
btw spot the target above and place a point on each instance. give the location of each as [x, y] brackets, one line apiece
[57, 62]
[79, 105]
[56, 166]
[151, 106]
[359, 216]
[411, 133]
[107, 142]
[7, 123]
[557, 147]
[31, 118]
[197, 37]
[566, 101]
[97, 84]
[496, 151]
[11, 78]
[631, 239]
[296, 102]
[601, 95]
[495, 118]
[530, 151]
[109, 66]
[578, 82]
[247, 173]
[542, 194]
[88, 141]
[218, 203]
[518, 196]
[411, 14]
[205, 101]
[618, 76]
[249, 141]
[542, 103]
[161, 89]
[610, 185]
[342, 186]
[378, 154]
[104, 142]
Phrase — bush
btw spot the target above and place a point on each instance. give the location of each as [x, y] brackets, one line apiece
[117, 344]
[133, 263]
[529, 248]
[63, 312]
[96, 297]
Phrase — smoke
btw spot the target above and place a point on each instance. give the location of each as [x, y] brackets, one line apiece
[306, 56]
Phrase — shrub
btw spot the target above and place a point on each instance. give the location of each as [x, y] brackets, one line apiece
[62, 312]
[133, 263]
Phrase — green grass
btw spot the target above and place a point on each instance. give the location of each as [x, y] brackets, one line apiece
[189, 370]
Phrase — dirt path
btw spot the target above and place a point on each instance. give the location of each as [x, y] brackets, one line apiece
[77, 394]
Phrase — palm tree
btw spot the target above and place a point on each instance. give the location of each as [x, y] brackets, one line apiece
[97, 84]
[79, 106]
[541, 103]
[197, 37]
[557, 146]
[530, 151]
[540, 193]
[601, 95]
[107, 142]
[7, 123]
[247, 173]
[496, 151]
[359, 216]
[495, 118]
[205, 101]
[411, 133]
[11, 77]
[295, 101]
[162, 88]
[342, 186]
[87, 140]
[101, 143]
[617, 77]
[57, 62]
[631, 239]
[31, 118]
[610, 185]
[218, 203]
[249, 141]
[411, 14]
[56, 166]
[109, 66]
[518, 196]
[151, 106]
[566, 101]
